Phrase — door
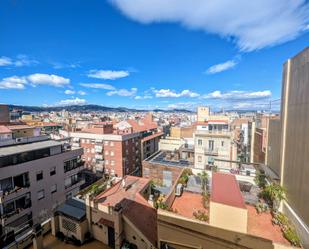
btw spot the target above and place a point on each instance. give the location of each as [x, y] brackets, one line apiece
[111, 237]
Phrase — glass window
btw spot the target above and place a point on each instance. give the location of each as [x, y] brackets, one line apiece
[200, 142]
[53, 171]
[41, 194]
[39, 175]
[53, 188]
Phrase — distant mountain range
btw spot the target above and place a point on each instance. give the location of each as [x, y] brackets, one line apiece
[87, 108]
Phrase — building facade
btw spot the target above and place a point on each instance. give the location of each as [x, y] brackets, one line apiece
[34, 178]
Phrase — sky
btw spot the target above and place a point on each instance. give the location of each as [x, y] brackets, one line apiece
[148, 54]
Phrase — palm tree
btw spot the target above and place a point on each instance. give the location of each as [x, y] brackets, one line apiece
[204, 178]
[274, 193]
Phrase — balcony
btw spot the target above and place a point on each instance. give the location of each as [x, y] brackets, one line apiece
[98, 157]
[12, 187]
[13, 209]
[224, 133]
[211, 151]
[98, 148]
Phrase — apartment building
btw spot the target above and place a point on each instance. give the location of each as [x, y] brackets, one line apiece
[213, 144]
[114, 154]
[34, 178]
[292, 134]
[118, 215]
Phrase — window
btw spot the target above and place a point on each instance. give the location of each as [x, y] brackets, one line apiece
[105, 142]
[222, 143]
[200, 142]
[112, 144]
[211, 145]
[41, 194]
[112, 153]
[106, 152]
[53, 171]
[53, 188]
[106, 162]
[112, 162]
[39, 175]
[199, 159]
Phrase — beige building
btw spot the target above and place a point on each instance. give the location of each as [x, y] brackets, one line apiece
[118, 215]
[203, 113]
[294, 170]
[213, 145]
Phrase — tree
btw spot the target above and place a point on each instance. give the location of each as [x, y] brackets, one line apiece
[274, 193]
[204, 179]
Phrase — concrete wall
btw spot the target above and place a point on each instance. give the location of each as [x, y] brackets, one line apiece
[170, 143]
[274, 145]
[134, 236]
[228, 217]
[295, 135]
[4, 114]
[180, 232]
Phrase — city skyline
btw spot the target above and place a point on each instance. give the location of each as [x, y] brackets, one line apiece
[115, 53]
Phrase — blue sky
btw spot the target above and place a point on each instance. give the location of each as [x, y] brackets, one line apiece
[148, 53]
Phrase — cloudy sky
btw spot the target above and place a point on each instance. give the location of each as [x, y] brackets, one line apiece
[148, 53]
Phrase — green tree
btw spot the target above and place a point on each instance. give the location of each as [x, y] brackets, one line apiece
[204, 179]
[274, 193]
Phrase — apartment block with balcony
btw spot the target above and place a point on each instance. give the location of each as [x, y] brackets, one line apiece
[113, 154]
[34, 178]
[213, 145]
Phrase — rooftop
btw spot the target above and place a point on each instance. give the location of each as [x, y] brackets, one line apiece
[188, 203]
[73, 208]
[4, 129]
[114, 195]
[225, 190]
[261, 225]
[169, 159]
[16, 149]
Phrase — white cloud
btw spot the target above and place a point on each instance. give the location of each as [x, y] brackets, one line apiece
[24, 60]
[69, 92]
[251, 25]
[81, 93]
[59, 65]
[143, 97]
[221, 67]
[238, 95]
[167, 93]
[108, 74]
[13, 82]
[183, 105]
[98, 86]
[21, 60]
[48, 79]
[123, 92]
[76, 101]
[5, 61]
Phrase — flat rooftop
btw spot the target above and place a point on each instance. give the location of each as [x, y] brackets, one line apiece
[188, 203]
[16, 149]
[225, 190]
[73, 208]
[114, 195]
[161, 158]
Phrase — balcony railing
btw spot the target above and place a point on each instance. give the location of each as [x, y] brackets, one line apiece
[211, 151]
[9, 213]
